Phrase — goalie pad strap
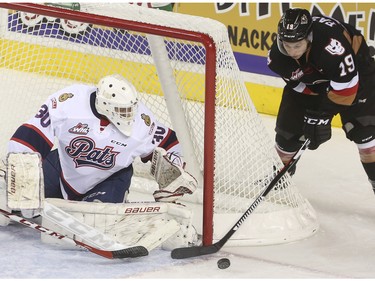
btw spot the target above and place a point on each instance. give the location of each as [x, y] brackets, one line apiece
[166, 196]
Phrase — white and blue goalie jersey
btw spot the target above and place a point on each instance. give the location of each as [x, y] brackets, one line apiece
[90, 147]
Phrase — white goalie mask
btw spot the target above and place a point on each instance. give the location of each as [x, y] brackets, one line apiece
[117, 99]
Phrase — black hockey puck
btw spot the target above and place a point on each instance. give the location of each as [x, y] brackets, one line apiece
[223, 263]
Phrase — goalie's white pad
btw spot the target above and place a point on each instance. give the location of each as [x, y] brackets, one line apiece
[4, 221]
[173, 180]
[24, 179]
[81, 231]
[147, 224]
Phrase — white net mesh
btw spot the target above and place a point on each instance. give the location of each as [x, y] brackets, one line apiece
[41, 54]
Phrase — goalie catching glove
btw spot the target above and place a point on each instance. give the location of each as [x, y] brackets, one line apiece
[172, 179]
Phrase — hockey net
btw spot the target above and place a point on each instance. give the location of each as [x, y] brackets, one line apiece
[186, 72]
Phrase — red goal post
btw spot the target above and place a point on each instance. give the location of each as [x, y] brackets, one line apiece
[188, 60]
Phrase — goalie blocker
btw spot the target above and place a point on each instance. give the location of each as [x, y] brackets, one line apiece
[21, 184]
[173, 180]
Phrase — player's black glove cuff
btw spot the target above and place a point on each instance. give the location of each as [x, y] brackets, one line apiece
[317, 128]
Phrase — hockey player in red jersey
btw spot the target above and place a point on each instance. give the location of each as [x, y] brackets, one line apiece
[99, 132]
[328, 70]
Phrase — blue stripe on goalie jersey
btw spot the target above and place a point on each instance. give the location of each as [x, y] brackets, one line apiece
[169, 141]
[32, 138]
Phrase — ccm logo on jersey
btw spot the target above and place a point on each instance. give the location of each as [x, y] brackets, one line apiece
[317, 121]
[118, 143]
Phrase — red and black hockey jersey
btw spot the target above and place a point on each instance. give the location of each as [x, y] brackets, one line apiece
[330, 67]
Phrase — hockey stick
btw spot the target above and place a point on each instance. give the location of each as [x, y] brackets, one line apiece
[131, 252]
[188, 252]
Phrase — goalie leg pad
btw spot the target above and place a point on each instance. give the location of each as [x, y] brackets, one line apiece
[187, 235]
[146, 224]
[4, 221]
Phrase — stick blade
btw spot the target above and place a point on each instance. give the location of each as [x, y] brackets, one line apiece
[132, 252]
[189, 252]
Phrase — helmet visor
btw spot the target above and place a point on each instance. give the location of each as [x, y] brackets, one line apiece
[125, 112]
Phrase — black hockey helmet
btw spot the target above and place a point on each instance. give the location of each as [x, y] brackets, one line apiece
[294, 25]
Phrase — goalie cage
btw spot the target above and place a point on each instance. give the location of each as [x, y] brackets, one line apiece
[189, 60]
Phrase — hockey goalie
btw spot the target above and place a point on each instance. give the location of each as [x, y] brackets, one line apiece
[73, 164]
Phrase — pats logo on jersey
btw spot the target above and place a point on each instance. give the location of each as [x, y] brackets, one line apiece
[65, 96]
[85, 153]
[80, 129]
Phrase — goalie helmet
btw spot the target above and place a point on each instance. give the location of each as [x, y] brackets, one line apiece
[295, 25]
[117, 99]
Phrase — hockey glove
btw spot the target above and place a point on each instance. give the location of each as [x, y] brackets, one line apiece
[173, 180]
[317, 128]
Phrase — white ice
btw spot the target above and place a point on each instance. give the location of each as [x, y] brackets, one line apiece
[331, 178]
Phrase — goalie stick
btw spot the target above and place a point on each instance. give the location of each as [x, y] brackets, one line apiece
[188, 252]
[131, 252]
